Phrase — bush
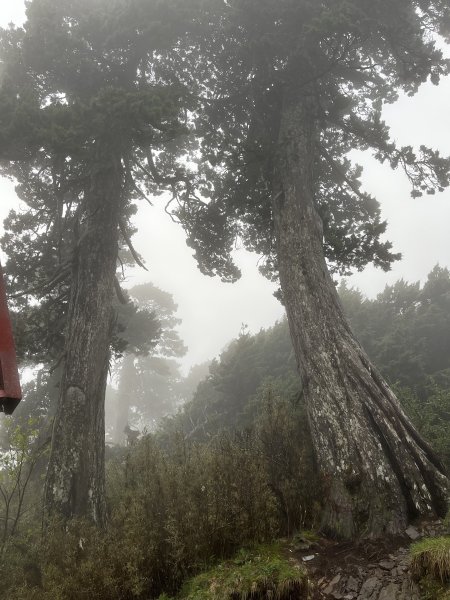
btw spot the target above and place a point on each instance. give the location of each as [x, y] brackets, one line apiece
[176, 510]
[430, 589]
[431, 415]
[431, 557]
[264, 572]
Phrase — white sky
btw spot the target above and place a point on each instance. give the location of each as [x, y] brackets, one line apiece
[212, 312]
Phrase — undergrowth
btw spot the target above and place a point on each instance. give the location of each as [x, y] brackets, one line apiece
[431, 566]
[265, 572]
[430, 589]
[175, 511]
[431, 556]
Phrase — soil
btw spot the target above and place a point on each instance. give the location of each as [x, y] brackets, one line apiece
[363, 570]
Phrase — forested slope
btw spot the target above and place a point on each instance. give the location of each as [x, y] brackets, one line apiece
[405, 330]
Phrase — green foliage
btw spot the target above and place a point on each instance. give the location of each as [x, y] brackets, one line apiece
[80, 93]
[175, 511]
[406, 328]
[339, 62]
[447, 522]
[431, 557]
[224, 399]
[281, 429]
[388, 328]
[148, 376]
[406, 332]
[431, 414]
[21, 452]
[263, 572]
[433, 590]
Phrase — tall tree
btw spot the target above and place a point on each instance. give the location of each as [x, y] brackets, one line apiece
[148, 381]
[405, 329]
[88, 125]
[289, 88]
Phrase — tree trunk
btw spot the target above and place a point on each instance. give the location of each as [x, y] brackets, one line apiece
[75, 485]
[127, 373]
[378, 472]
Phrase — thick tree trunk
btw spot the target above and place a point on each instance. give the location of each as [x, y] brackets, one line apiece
[75, 483]
[377, 470]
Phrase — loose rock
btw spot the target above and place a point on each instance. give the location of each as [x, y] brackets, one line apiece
[412, 533]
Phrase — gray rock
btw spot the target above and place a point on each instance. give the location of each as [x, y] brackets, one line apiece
[352, 584]
[370, 589]
[333, 583]
[379, 573]
[387, 565]
[412, 533]
[390, 592]
[395, 572]
[409, 591]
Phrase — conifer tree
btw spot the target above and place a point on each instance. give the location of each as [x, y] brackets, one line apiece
[86, 121]
[289, 88]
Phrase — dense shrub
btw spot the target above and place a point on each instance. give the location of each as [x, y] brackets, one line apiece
[177, 509]
[431, 557]
[431, 565]
[430, 412]
[266, 572]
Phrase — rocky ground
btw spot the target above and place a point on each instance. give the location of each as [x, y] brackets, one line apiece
[368, 570]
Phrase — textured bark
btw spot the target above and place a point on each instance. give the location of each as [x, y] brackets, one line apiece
[378, 471]
[75, 484]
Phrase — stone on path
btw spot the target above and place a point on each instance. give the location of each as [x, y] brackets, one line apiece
[390, 592]
[412, 533]
[370, 589]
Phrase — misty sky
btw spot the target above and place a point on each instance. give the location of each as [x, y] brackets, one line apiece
[212, 312]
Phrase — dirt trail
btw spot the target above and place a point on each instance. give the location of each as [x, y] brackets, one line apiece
[366, 570]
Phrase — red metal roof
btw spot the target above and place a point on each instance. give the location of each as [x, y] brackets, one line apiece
[10, 392]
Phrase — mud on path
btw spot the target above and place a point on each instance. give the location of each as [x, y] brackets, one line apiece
[364, 570]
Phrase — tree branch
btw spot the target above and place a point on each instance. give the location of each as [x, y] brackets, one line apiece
[119, 293]
[126, 237]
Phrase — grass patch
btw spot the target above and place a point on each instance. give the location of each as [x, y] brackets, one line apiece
[264, 572]
[430, 589]
[431, 557]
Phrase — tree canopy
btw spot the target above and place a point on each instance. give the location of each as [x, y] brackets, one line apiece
[348, 59]
[80, 78]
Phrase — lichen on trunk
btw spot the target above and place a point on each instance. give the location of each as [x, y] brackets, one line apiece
[378, 471]
[75, 484]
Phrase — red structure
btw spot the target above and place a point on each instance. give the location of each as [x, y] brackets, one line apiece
[10, 392]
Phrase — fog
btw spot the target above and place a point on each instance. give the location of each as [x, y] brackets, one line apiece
[170, 421]
[212, 312]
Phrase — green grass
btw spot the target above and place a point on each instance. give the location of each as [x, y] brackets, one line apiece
[252, 575]
[431, 557]
[430, 589]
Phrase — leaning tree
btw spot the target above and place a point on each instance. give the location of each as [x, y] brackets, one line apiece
[88, 124]
[289, 87]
